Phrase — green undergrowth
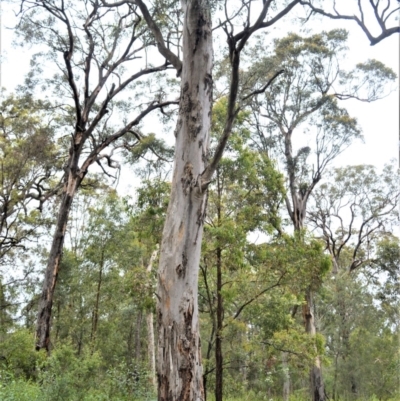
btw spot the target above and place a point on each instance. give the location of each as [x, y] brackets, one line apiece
[251, 396]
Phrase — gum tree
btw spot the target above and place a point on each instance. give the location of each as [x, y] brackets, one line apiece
[179, 362]
[179, 365]
[303, 105]
[97, 52]
[29, 161]
[354, 212]
[179, 357]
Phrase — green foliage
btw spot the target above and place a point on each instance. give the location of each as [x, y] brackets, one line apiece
[20, 389]
[29, 159]
[18, 356]
[105, 290]
[65, 376]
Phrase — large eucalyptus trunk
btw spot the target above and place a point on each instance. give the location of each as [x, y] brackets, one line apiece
[179, 368]
[71, 184]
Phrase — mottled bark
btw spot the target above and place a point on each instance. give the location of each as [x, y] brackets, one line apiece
[179, 368]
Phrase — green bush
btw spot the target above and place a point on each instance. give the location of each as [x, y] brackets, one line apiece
[12, 389]
[18, 356]
[66, 377]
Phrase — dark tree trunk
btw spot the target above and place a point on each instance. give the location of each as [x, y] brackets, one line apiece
[210, 344]
[218, 338]
[97, 302]
[71, 185]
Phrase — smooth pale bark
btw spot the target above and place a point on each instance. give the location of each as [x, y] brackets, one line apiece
[151, 349]
[286, 377]
[71, 185]
[151, 354]
[179, 367]
[317, 383]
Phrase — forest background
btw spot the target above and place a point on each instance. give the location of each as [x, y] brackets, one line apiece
[253, 272]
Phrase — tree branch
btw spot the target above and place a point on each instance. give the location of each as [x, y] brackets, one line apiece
[162, 48]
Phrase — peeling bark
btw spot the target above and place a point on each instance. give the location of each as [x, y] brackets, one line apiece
[179, 368]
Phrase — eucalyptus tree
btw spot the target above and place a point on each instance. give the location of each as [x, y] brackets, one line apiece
[354, 211]
[179, 358]
[29, 159]
[179, 365]
[352, 214]
[244, 198]
[361, 336]
[99, 54]
[302, 104]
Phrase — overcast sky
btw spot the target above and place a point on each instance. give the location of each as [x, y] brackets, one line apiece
[379, 120]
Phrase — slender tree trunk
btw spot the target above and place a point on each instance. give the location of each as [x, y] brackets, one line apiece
[219, 312]
[179, 355]
[150, 331]
[53, 265]
[138, 329]
[317, 383]
[210, 341]
[95, 318]
[129, 343]
[218, 338]
[208, 355]
[297, 212]
[151, 349]
[58, 319]
[286, 376]
[335, 377]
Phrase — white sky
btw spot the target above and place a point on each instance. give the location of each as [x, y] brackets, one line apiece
[379, 120]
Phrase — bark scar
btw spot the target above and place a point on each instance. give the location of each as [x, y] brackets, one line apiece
[181, 268]
[187, 178]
